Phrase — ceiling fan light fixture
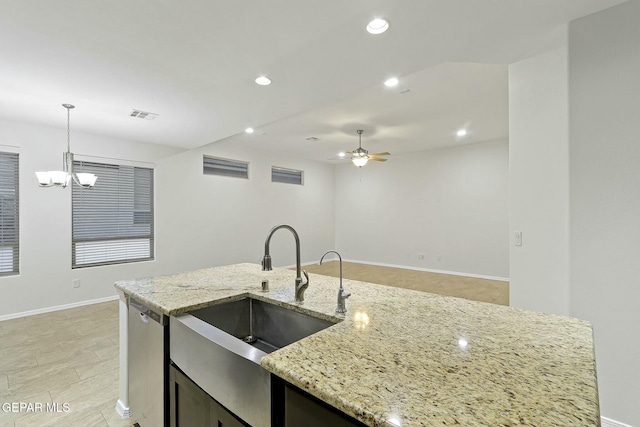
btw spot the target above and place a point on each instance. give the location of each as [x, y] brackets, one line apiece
[360, 161]
[461, 132]
[377, 26]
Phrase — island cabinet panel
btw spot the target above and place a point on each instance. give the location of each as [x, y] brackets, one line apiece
[190, 406]
[292, 407]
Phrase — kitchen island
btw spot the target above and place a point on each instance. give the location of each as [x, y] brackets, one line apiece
[408, 358]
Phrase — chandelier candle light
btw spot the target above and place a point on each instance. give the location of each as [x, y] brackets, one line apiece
[63, 178]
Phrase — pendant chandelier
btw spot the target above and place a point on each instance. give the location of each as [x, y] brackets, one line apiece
[63, 178]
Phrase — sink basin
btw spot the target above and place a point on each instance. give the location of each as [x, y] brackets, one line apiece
[262, 325]
[220, 348]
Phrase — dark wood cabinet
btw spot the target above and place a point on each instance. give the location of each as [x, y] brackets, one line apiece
[190, 406]
[292, 407]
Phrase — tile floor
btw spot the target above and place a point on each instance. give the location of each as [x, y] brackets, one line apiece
[64, 357]
[71, 356]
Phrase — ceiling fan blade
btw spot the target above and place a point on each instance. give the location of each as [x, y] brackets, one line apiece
[377, 159]
[380, 154]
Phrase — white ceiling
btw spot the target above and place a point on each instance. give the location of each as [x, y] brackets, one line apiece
[193, 62]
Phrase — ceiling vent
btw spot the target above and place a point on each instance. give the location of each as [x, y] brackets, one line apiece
[143, 114]
[313, 139]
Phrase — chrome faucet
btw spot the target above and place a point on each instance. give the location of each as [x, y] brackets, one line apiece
[301, 285]
[342, 295]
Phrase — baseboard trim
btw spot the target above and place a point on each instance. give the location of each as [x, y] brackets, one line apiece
[607, 422]
[430, 270]
[122, 410]
[57, 308]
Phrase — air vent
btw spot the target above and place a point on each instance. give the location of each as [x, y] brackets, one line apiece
[143, 114]
[313, 139]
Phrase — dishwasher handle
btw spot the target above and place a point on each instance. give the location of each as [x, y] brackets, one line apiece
[146, 313]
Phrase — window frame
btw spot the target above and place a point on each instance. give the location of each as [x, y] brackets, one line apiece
[209, 171]
[128, 242]
[14, 244]
[301, 172]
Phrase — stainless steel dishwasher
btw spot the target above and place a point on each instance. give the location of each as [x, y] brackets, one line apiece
[148, 335]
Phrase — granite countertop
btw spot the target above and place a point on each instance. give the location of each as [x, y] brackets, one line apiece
[408, 358]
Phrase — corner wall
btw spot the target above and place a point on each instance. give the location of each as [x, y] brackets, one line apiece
[448, 204]
[201, 221]
[539, 181]
[604, 78]
[45, 278]
[206, 220]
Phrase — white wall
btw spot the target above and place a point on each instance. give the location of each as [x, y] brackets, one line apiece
[604, 76]
[539, 181]
[575, 192]
[449, 204]
[205, 220]
[45, 278]
[201, 221]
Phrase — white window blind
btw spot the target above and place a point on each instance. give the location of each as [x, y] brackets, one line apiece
[287, 176]
[9, 214]
[225, 167]
[113, 221]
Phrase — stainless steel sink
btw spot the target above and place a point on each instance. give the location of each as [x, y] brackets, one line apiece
[265, 326]
[220, 348]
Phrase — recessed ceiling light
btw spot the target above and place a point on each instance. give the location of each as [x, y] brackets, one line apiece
[462, 132]
[391, 82]
[263, 81]
[249, 130]
[378, 26]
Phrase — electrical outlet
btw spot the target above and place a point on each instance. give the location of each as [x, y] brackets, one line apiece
[76, 283]
[420, 256]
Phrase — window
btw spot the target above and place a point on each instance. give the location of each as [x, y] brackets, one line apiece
[9, 217]
[113, 221]
[225, 167]
[288, 176]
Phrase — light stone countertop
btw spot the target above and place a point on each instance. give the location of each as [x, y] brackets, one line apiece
[408, 358]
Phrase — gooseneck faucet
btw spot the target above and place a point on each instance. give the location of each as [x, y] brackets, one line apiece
[301, 284]
[342, 295]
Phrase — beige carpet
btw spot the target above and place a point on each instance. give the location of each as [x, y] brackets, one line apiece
[485, 290]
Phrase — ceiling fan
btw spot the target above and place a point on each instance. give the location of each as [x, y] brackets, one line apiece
[360, 156]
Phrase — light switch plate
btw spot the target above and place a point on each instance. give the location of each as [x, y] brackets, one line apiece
[518, 238]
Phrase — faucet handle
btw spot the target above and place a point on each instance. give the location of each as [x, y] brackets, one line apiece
[345, 294]
[306, 282]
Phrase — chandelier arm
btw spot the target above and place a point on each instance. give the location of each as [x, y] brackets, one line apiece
[75, 179]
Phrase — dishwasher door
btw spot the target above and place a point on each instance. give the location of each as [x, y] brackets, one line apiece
[148, 357]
